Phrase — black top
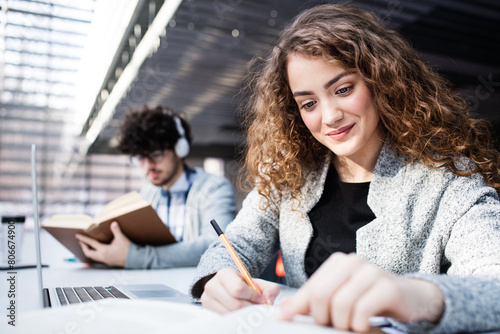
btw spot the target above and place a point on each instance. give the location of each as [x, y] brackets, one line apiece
[340, 212]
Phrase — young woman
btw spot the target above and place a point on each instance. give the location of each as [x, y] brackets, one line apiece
[374, 181]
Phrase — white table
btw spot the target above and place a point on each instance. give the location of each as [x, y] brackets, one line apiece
[61, 272]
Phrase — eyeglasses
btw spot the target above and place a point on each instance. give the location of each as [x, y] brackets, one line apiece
[155, 157]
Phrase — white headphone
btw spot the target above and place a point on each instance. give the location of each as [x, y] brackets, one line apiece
[181, 147]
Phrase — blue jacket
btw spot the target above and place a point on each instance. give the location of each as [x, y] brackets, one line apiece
[210, 197]
[426, 220]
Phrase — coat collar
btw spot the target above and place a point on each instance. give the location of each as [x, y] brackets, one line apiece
[388, 166]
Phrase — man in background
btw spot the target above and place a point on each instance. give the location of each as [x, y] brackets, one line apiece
[185, 198]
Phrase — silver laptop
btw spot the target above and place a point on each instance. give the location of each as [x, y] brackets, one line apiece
[60, 296]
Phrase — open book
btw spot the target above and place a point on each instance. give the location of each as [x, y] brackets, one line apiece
[136, 217]
[149, 316]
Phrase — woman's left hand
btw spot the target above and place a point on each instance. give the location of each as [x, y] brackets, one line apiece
[347, 290]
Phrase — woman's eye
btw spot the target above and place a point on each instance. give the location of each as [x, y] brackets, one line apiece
[308, 105]
[344, 90]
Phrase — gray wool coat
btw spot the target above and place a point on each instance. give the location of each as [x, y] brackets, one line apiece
[430, 224]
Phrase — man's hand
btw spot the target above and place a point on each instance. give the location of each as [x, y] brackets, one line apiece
[113, 254]
[347, 290]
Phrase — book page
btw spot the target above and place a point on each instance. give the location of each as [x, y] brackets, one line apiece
[158, 317]
[120, 211]
[112, 316]
[126, 203]
[75, 221]
[258, 319]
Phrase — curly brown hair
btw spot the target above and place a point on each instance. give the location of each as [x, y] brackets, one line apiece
[150, 129]
[419, 113]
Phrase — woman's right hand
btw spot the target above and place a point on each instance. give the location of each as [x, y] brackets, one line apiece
[228, 291]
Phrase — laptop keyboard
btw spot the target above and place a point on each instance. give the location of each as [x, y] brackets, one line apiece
[74, 295]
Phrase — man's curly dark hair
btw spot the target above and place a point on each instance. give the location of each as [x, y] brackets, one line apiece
[150, 129]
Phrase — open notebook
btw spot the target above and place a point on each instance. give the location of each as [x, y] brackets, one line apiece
[143, 316]
[61, 296]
